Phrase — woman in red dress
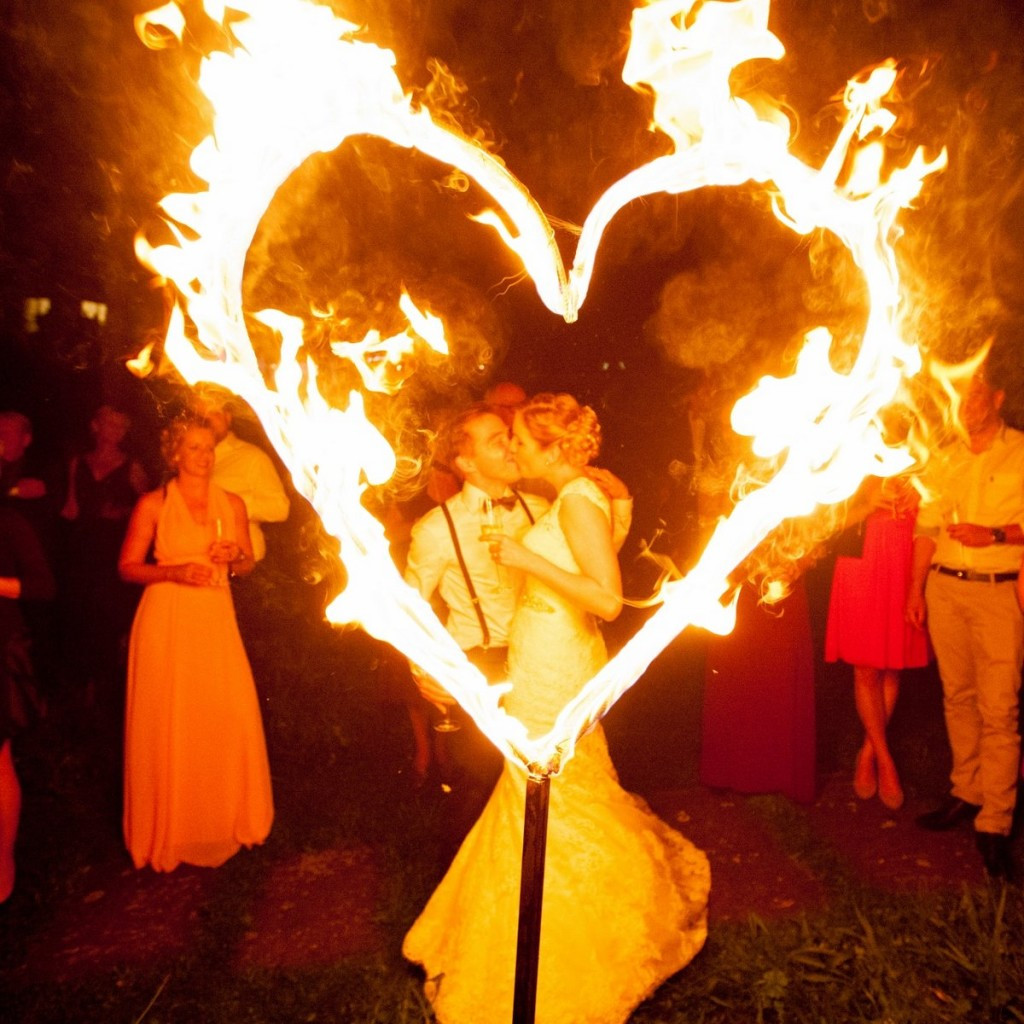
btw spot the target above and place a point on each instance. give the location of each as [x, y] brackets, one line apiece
[867, 628]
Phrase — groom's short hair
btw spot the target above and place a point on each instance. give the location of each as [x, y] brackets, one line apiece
[454, 438]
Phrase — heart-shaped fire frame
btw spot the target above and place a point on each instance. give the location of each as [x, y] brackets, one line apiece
[297, 82]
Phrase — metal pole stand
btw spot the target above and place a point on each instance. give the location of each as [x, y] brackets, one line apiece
[531, 898]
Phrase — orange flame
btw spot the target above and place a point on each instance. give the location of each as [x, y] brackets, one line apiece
[142, 365]
[384, 363]
[298, 83]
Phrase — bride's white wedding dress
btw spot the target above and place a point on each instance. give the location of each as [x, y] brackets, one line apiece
[625, 895]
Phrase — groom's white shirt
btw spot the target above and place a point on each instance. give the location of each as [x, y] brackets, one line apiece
[433, 567]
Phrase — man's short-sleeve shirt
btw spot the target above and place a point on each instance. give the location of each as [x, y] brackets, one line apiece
[986, 488]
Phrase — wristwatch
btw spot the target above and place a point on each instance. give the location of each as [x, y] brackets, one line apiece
[998, 535]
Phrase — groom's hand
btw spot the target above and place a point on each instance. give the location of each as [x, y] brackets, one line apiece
[608, 482]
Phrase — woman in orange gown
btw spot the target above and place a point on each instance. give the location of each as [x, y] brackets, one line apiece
[197, 782]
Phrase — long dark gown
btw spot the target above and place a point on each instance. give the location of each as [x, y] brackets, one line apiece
[757, 724]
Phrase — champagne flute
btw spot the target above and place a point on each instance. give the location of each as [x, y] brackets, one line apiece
[221, 569]
[491, 526]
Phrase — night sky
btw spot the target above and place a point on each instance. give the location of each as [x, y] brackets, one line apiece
[96, 128]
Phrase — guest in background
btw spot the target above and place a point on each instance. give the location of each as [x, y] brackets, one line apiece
[24, 485]
[27, 489]
[867, 626]
[505, 397]
[19, 482]
[97, 606]
[197, 783]
[24, 575]
[964, 578]
[758, 732]
[244, 469]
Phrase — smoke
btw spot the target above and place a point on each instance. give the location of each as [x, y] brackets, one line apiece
[96, 129]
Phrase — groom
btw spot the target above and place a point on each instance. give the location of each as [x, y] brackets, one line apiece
[447, 556]
[448, 560]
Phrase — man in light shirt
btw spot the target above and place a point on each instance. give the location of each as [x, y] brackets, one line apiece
[479, 601]
[968, 547]
[244, 469]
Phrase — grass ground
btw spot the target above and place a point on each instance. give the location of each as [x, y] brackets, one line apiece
[828, 913]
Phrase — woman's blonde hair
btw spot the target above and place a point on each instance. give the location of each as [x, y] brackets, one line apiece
[173, 434]
[560, 419]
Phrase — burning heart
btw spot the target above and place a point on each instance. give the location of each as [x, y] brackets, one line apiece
[297, 83]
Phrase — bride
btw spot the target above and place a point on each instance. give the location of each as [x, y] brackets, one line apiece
[625, 895]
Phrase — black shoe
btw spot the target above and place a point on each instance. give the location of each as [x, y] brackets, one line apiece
[995, 852]
[948, 814]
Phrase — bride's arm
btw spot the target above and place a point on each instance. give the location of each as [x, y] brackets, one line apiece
[597, 587]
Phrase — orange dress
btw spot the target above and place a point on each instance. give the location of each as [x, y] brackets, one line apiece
[197, 782]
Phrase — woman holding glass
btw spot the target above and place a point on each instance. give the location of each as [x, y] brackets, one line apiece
[197, 782]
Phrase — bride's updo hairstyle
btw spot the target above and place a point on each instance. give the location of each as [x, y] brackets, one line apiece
[560, 419]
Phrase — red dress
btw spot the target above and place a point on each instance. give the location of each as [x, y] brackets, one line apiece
[866, 613]
[757, 724]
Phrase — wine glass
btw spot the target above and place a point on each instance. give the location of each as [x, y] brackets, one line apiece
[446, 723]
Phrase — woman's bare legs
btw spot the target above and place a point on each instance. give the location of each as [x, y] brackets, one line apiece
[875, 692]
[10, 811]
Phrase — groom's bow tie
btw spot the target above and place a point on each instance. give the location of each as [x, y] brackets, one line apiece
[509, 502]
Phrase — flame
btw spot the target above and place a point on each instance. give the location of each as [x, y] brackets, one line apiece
[384, 364]
[954, 379]
[142, 365]
[298, 83]
[161, 27]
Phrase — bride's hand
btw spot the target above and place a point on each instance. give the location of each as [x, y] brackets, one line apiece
[508, 552]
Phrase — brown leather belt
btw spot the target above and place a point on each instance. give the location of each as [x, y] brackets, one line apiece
[976, 577]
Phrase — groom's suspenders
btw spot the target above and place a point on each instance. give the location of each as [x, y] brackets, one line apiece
[465, 572]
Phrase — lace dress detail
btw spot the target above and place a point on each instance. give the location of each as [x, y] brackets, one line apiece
[625, 895]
